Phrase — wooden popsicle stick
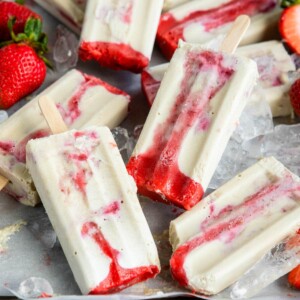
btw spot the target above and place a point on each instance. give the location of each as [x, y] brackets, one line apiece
[3, 182]
[54, 120]
[235, 34]
[52, 115]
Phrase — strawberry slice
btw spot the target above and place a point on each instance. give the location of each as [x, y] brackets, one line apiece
[294, 277]
[289, 27]
[295, 96]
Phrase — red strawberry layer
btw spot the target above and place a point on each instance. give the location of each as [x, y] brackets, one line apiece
[115, 56]
[171, 30]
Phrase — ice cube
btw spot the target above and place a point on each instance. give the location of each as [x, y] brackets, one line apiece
[234, 160]
[33, 287]
[125, 140]
[65, 50]
[276, 263]
[296, 59]
[121, 137]
[253, 147]
[245, 146]
[268, 73]
[284, 144]
[3, 115]
[41, 228]
[255, 120]
[133, 137]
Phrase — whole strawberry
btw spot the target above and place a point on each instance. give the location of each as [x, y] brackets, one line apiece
[21, 14]
[22, 65]
[295, 96]
[289, 24]
[21, 72]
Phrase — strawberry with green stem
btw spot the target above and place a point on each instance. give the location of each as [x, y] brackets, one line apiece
[17, 10]
[289, 24]
[22, 62]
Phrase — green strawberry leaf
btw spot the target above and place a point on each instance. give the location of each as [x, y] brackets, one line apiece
[20, 37]
[288, 3]
[32, 36]
[21, 2]
[10, 24]
[47, 62]
[33, 29]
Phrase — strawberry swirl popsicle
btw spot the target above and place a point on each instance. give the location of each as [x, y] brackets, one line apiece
[82, 100]
[200, 21]
[228, 232]
[92, 204]
[69, 12]
[273, 63]
[120, 34]
[190, 122]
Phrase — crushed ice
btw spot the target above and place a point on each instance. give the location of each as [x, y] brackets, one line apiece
[244, 148]
[255, 120]
[283, 143]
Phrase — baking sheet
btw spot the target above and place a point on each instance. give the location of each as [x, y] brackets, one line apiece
[32, 263]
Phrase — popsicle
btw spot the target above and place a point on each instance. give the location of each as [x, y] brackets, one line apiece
[83, 100]
[168, 4]
[69, 12]
[92, 204]
[120, 34]
[190, 122]
[225, 234]
[273, 64]
[199, 21]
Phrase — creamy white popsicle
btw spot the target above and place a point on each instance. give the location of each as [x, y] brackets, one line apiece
[82, 100]
[168, 4]
[190, 122]
[92, 204]
[69, 12]
[273, 63]
[230, 230]
[120, 34]
[200, 21]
